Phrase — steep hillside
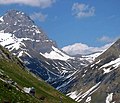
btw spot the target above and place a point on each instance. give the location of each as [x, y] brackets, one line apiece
[100, 81]
[14, 77]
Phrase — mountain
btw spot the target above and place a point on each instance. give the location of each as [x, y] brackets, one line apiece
[14, 77]
[92, 78]
[100, 81]
[20, 35]
[21, 31]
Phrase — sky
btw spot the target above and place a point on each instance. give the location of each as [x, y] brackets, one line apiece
[94, 23]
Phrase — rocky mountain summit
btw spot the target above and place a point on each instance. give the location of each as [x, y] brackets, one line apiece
[22, 27]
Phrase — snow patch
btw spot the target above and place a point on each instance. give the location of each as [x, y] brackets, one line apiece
[37, 31]
[70, 75]
[47, 62]
[66, 83]
[95, 63]
[72, 95]
[20, 54]
[15, 23]
[91, 57]
[64, 71]
[28, 54]
[1, 18]
[56, 54]
[89, 92]
[109, 98]
[115, 63]
[83, 75]
[88, 99]
[107, 70]
[27, 90]
[37, 40]
[11, 42]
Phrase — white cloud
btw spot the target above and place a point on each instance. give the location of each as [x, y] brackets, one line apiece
[38, 3]
[107, 39]
[39, 16]
[81, 10]
[79, 48]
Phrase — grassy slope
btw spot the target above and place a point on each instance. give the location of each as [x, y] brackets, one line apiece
[9, 94]
[44, 92]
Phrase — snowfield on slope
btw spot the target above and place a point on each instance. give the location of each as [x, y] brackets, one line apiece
[115, 63]
[56, 54]
[80, 96]
[92, 57]
[11, 42]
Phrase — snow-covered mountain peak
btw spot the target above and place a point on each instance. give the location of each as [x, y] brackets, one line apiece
[21, 26]
[19, 30]
[16, 22]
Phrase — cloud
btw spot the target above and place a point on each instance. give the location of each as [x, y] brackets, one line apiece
[81, 10]
[39, 16]
[38, 3]
[107, 39]
[79, 48]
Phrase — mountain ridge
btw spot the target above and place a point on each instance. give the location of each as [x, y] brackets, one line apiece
[100, 80]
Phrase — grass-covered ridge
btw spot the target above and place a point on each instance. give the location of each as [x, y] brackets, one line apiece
[13, 69]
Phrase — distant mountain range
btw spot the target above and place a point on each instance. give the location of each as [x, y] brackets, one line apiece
[92, 78]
